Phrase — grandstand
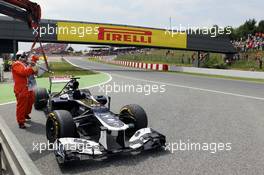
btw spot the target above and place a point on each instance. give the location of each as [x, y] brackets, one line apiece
[52, 49]
[108, 50]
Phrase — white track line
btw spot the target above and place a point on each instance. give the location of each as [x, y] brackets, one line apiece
[182, 86]
[8, 103]
[100, 84]
[192, 88]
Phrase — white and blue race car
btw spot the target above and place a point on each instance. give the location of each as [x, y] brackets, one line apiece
[82, 126]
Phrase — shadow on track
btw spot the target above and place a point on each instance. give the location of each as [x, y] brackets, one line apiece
[36, 128]
[78, 167]
[37, 155]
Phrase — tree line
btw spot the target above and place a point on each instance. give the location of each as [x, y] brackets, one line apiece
[251, 26]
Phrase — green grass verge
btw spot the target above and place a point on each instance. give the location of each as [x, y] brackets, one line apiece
[159, 56]
[7, 94]
[221, 77]
[60, 69]
[176, 57]
[65, 69]
[247, 65]
[183, 58]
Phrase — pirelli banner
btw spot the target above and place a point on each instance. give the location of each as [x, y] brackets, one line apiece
[118, 35]
[54, 31]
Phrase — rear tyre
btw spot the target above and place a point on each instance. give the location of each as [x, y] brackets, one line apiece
[41, 98]
[60, 124]
[136, 115]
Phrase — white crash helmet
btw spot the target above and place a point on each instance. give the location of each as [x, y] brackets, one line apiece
[21, 55]
[20, 52]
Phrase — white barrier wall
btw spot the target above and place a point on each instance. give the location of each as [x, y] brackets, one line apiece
[231, 73]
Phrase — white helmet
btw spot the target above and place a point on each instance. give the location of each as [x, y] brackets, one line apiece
[20, 52]
[21, 55]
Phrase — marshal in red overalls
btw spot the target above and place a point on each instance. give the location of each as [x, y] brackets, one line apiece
[24, 96]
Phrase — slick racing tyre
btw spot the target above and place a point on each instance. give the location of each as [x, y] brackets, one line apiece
[41, 98]
[60, 124]
[135, 115]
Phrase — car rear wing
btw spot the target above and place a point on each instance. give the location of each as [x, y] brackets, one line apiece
[58, 80]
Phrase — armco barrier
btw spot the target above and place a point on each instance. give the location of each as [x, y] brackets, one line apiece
[140, 65]
[221, 72]
[14, 160]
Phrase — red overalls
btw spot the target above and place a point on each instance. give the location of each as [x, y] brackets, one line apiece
[25, 98]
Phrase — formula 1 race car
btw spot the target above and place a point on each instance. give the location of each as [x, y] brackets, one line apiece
[81, 125]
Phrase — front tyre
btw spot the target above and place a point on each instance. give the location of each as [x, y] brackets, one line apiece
[60, 124]
[135, 115]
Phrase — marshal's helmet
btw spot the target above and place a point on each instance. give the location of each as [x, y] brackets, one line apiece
[21, 55]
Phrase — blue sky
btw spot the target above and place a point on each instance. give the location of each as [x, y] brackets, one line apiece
[155, 13]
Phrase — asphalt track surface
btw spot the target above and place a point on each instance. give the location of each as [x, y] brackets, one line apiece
[193, 109]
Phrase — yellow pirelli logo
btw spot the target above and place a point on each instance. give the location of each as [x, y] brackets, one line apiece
[120, 35]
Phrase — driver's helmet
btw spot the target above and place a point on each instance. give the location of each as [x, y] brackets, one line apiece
[75, 85]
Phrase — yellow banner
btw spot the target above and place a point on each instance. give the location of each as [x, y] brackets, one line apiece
[119, 35]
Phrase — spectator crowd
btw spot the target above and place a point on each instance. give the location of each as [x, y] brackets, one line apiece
[251, 43]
